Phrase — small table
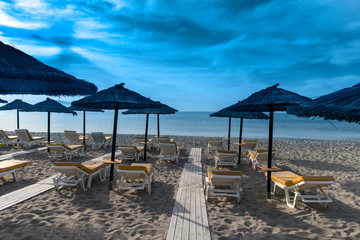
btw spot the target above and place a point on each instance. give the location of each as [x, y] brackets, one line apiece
[116, 161]
[228, 138]
[145, 142]
[47, 142]
[272, 169]
[239, 144]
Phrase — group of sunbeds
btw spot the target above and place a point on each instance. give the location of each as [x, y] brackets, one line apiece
[226, 182]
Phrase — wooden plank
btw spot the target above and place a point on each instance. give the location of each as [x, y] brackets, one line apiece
[186, 223]
[175, 214]
[192, 219]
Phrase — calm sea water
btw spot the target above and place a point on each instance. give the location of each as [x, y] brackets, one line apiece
[185, 124]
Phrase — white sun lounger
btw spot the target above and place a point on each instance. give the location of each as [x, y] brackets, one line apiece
[259, 158]
[26, 138]
[5, 139]
[131, 152]
[223, 183]
[225, 158]
[74, 138]
[169, 151]
[67, 151]
[74, 173]
[12, 166]
[137, 176]
[100, 140]
[309, 189]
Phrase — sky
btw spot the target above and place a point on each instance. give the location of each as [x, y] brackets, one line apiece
[193, 55]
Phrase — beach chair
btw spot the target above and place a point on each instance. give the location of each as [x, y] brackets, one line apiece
[140, 142]
[131, 152]
[169, 151]
[100, 140]
[249, 145]
[74, 173]
[57, 150]
[26, 138]
[223, 183]
[309, 189]
[5, 139]
[225, 158]
[259, 158]
[136, 176]
[12, 166]
[74, 138]
[214, 144]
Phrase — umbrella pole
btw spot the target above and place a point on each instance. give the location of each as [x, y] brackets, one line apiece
[113, 147]
[229, 133]
[18, 122]
[271, 127]
[240, 139]
[48, 136]
[146, 135]
[84, 129]
[158, 124]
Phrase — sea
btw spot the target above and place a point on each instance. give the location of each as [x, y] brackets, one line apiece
[186, 124]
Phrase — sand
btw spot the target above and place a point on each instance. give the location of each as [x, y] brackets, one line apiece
[102, 214]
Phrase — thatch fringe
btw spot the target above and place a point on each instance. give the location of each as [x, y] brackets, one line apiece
[48, 105]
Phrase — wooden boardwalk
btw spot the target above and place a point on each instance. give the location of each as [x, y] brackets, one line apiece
[14, 154]
[189, 219]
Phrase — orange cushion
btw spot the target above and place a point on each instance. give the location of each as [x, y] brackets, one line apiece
[137, 149]
[88, 166]
[287, 178]
[249, 141]
[218, 140]
[146, 167]
[211, 172]
[8, 165]
[225, 151]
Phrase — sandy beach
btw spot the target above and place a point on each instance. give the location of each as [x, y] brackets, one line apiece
[102, 214]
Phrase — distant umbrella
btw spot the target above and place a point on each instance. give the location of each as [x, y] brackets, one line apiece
[16, 104]
[23, 74]
[269, 100]
[84, 118]
[3, 101]
[226, 112]
[48, 106]
[162, 109]
[117, 97]
[342, 105]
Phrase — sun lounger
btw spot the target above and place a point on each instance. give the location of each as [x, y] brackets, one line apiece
[260, 157]
[74, 138]
[131, 152]
[223, 183]
[169, 151]
[61, 150]
[136, 176]
[214, 144]
[12, 166]
[5, 139]
[225, 158]
[26, 138]
[140, 142]
[100, 140]
[74, 173]
[309, 189]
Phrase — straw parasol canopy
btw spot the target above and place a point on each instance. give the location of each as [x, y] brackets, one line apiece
[3, 101]
[161, 109]
[269, 100]
[16, 104]
[48, 106]
[23, 74]
[226, 112]
[117, 97]
[342, 105]
[84, 119]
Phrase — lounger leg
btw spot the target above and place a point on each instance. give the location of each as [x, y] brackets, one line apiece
[148, 186]
[207, 193]
[14, 174]
[89, 181]
[288, 200]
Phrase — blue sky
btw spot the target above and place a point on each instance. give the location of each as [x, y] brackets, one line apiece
[192, 55]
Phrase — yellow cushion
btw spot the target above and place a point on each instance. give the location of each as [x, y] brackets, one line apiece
[146, 167]
[68, 147]
[82, 138]
[287, 178]
[8, 165]
[249, 141]
[224, 151]
[137, 149]
[218, 140]
[88, 167]
[211, 172]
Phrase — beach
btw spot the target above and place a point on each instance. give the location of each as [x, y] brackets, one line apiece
[98, 213]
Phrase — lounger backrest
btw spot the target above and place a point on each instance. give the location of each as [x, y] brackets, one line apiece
[3, 135]
[224, 177]
[226, 155]
[168, 148]
[22, 134]
[262, 155]
[72, 136]
[98, 137]
[127, 150]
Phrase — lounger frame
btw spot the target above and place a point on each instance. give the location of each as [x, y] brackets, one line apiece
[72, 176]
[67, 153]
[125, 183]
[6, 139]
[168, 151]
[231, 181]
[130, 153]
[13, 171]
[26, 138]
[300, 189]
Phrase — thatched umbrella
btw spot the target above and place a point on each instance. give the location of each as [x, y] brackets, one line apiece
[23, 74]
[117, 97]
[162, 109]
[226, 112]
[269, 100]
[16, 104]
[340, 105]
[3, 101]
[48, 106]
[84, 114]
